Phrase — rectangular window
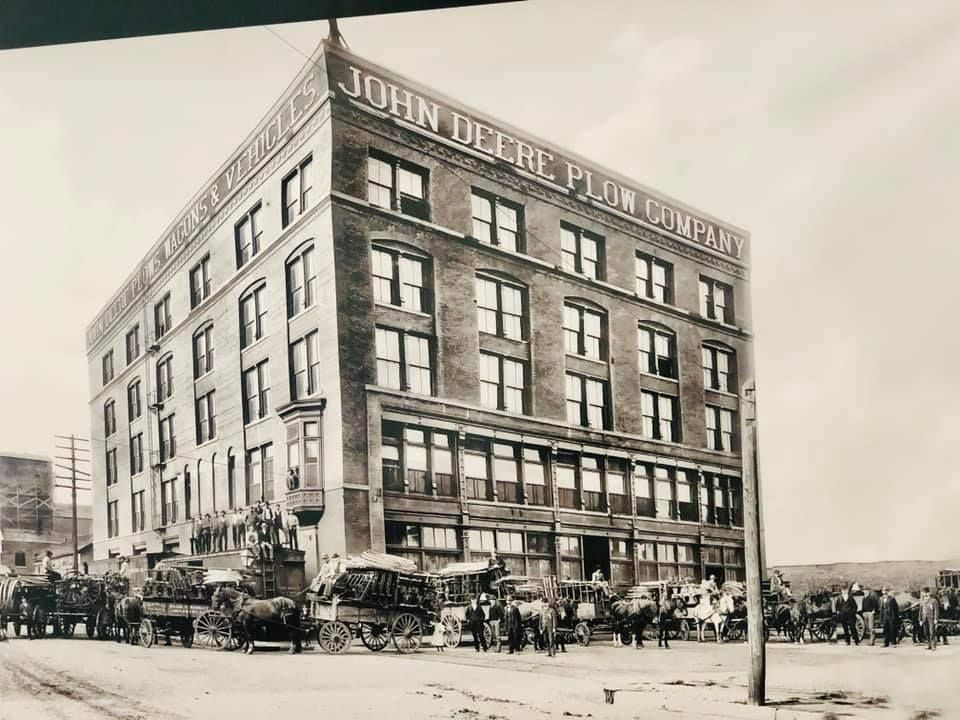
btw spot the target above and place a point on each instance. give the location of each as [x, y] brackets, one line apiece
[442, 465]
[591, 482]
[502, 383]
[583, 332]
[718, 369]
[617, 486]
[403, 361]
[398, 279]
[581, 251]
[659, 416]
[687, 496]
[136, 454]
[666, 504]
[256, 392]
[658, 352]
[109, 418]
[535, 476]
[247, 235]
[112, 466]
[170, 502]
[654, 278]
[162, 322]
[137, 514]
[305, 366]
[259, 474]
[107, 363]
[643, 491]
[206, 418]
[736, 503]
[721, 429]
[133, 344]
[133, 400]
[390, 462]
[295, 192]
[203, 352]
[587, 402]
[168, 444]
[477, 469]
[567, 481]
[113, 520]
[416, 454]
[496, 221]
[253, 311]
[716, 300]
[395, 184]
[200, 284]
[500, 308]
[506, 473]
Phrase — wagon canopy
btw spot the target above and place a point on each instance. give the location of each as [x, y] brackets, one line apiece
[465, 568]
[380, 561]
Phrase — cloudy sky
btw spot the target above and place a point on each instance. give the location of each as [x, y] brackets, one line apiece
[829, 133]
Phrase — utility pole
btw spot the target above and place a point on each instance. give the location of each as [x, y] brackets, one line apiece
[756, 686]
[75, 450]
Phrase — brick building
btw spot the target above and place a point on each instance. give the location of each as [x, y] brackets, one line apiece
[454, 336]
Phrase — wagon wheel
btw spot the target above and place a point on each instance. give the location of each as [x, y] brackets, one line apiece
[374, 636]
[734, 631]
[452, 630]
[212, 629]
[488, 634]
[39, 622]
[680, 631]
[236, 637]
[906, 628]
[146, 633]
[186, 638]
[581, 632]
[103, 624]
[407, 633]
[335, 637]
[826, 629]
[626, 636]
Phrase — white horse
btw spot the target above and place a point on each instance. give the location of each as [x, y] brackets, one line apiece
[714, 612]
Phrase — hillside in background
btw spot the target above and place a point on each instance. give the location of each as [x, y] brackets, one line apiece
[899, 575]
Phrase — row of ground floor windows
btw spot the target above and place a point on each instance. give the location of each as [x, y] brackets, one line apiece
[422, 461]
[536, 555]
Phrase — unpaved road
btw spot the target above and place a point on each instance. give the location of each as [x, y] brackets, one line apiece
[80, 679]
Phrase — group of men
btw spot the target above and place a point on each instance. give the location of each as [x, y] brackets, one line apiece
[547, 636]
[885, 608]
[259, 524]
[331, 567]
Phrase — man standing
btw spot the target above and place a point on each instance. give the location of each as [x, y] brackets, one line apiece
[195, 534]
[276, 524]
[250, 520]
[495, 617]
[237, 527]
[206, 526]
[220, 531]
[476, 619]
[929, 614]
[890, 617]
[846, 616]
[664, 619]
[871, 604]
[597, 576]
[514, 625]
[548, 627]
[292, 527]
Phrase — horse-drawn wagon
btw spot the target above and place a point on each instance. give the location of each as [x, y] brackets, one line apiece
[86, 600]
[27, 601]
[381, 599]
[459, 584]
[590, 607]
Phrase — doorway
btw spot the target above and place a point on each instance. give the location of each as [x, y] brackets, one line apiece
[716, 571]
[596, 554]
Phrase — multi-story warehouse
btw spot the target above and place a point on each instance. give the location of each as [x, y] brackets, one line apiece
[456, 336]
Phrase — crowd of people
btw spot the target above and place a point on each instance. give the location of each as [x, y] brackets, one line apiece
[262, 524]
[504, 619]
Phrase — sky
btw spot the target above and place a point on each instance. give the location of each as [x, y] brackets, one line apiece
[828, 132]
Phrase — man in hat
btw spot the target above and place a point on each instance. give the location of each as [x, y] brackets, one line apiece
[847, 616]
[890, 617]
[494, 617]
[514, 623]
[476, 621]
[124, 566]
[929, 614]
[868, 610]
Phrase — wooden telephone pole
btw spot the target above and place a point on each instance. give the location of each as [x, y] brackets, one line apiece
[753, 542]
[78, 454]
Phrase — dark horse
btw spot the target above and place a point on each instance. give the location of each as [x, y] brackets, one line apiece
[127, 613]
[631, 617]
[250, 613]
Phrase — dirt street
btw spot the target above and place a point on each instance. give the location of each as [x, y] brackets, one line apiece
[84, 679]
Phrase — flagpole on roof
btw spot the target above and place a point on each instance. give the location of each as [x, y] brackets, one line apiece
[335, 38]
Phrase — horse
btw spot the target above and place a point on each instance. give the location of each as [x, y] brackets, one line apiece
[250, 613]
[127, 613]
[713, 611]
[820, 606]
[631, 616]
[799, 611]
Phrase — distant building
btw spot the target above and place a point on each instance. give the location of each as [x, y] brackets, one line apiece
[426, 332]
[31, 521]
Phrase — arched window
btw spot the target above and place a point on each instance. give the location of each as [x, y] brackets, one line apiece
[213, 481]
[231, 479]
[109, 418]
[401, 276]
[134, 400]
[203, 349]
[657, 348]
[164, 377]
[719, 367]
[253, 312]
[301, 280]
